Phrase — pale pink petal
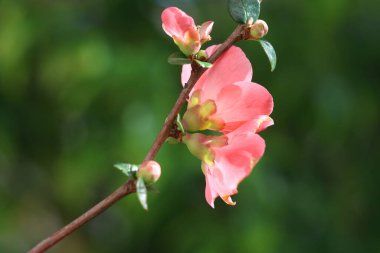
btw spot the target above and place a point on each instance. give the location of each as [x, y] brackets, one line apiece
[185, 75]
[233, 66]
[176, 22]
[252, 126]
[213, 187]
[205, 30]
[243, 142]
[233, 168]
[232, 164]
[240, 102]
[227, 99]
[263, 121]
[210, 191]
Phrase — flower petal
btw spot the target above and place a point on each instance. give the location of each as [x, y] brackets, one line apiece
[210, 191]
[263, 122]
[252, 126]
[176, 22]
[185, 74]
[236, 160]
[233, 66]
[232, 164]
[205, 30]
[242, 102]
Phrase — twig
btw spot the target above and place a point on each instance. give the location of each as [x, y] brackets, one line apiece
[125, 189]
[130, 186]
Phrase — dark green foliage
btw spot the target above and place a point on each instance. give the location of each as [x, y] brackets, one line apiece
[243, 10]
[85, 84]
[270, 52]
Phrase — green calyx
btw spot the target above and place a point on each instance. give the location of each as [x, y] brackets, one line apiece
[202, 146]
[200, 116]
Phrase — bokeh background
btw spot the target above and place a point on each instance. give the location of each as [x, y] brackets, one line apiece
[86, 84]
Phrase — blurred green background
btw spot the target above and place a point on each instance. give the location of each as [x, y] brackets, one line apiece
[86, 84]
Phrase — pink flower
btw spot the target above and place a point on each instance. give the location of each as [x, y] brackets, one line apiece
[228, 159]
[224, 98]
[181, 27]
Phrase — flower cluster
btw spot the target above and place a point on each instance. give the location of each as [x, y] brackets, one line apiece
[225, 101]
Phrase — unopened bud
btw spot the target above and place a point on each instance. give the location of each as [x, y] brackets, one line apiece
[202, 55]
[149, 171]
[258, 30]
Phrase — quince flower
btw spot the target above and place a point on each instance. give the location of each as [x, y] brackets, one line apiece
[224, 98]
[186, 35]
[228, 159]
[226, 101]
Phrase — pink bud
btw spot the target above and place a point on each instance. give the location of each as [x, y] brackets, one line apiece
[149, 171]
[258, 30]
[186, 35]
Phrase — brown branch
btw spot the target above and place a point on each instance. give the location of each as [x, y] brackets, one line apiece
[124, 190]
[130, 187]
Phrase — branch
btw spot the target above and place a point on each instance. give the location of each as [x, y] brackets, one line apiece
[130, 186]
[124, 190]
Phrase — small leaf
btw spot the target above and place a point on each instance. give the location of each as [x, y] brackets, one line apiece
[204, 64]
[178, 59]
[243, 10]
[269, 50]
[128, 169]
[142, 193]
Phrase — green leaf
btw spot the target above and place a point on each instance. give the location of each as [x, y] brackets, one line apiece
[178, 59]
[204, 64]
[269, 50]
[128, 169]
[142, 193]
[243, 10]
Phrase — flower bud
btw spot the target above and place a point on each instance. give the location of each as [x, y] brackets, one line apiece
[202, 55]
[258, 30]
[149, 171]
[186, 35]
